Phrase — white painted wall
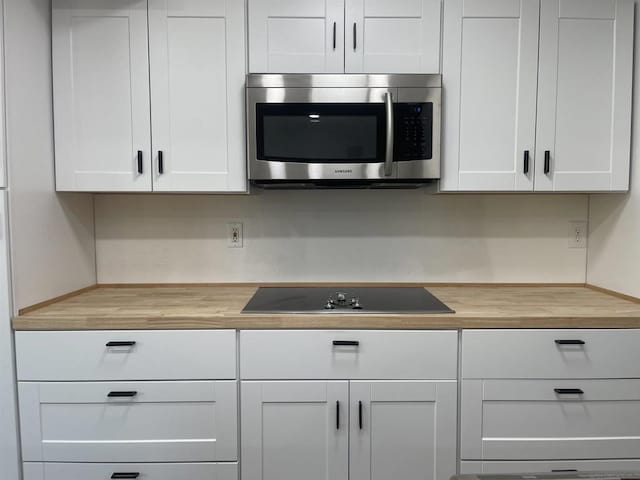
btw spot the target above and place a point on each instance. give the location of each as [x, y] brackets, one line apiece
[614, 220]
[53, 249]
[339, 236]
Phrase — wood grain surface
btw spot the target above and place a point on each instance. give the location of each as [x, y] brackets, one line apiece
[219, 306]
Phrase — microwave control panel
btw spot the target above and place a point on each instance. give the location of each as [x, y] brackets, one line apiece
[413, 131]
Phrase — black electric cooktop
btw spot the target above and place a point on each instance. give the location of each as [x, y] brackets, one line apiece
[343, 300]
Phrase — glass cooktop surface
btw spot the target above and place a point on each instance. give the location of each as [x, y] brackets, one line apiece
[344, 300]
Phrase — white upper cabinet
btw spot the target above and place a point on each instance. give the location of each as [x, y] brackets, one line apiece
[197, 103]
[584, 99]
[336, 36]
[296, 36]
[537, 95]
[106, 113]
[392, 36]
[490, 67]
[101, 100]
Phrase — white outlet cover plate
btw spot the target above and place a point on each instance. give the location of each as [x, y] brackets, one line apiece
[577, 235]
[231, 228]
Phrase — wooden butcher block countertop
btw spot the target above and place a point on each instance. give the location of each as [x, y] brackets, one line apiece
[219, 306]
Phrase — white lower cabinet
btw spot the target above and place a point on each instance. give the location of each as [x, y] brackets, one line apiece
[403, 430]
[472, 467]
[361, 430]
[550, 419]
[141, 471]
[128, 421]
[294, 430]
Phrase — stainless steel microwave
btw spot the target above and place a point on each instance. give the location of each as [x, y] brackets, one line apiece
[343, 130]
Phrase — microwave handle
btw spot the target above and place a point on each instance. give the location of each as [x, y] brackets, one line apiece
[388, 159]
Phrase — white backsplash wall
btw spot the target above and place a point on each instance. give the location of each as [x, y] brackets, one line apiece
[339, 236]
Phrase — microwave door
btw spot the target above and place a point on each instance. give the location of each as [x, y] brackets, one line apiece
[321, 134]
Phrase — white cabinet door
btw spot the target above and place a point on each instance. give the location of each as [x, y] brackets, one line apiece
[392, 36]
[101, 95]
[128, 421]
[295, 430]
[490, 61]
[296, 36]
[197, 54]
[403, 430]
[584, 95]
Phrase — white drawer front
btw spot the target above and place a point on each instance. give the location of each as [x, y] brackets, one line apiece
[550, 466]
[536, 354]
[537, 420]
[381, 355]
[156, 355]
[163, 422]
[145, 471]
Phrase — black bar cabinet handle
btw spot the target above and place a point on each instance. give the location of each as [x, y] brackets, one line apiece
[570, 342]
[123, 475]
[120, 344]
[346, 343]
[547, 161]
[140, 162]
[360, 414]
[563, 470]
[568, 391]
[129, 394]
[334, 35]
[526, 162]
[355, 43]
[160, 162]
[337, 415]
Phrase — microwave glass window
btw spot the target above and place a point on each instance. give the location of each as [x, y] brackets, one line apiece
[321, 133]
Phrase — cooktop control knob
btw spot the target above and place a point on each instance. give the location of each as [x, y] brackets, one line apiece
[341, 297]
[355, 304]
[329, 305]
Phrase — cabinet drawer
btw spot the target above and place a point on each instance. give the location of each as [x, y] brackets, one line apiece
[146, 471]
[128, 421]
[550, 419]
[551, 354]
[550, 466]
[111, 355]
[344, 354]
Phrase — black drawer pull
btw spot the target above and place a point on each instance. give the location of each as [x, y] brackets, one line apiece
[160, 162]
[130, 394]
[338, 415]
[123, 475]
[569, 391]
[564, 470]
[140, 171]
[526, 162]
[120, 344]
[570, 342]
[360, 415]
[346, 343]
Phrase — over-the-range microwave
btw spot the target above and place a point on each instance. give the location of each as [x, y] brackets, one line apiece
[343, 130]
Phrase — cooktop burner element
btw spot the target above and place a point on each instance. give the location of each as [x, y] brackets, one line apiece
[344, 300]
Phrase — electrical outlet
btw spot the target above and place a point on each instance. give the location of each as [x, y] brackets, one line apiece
[234, 235]
[578, 234]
